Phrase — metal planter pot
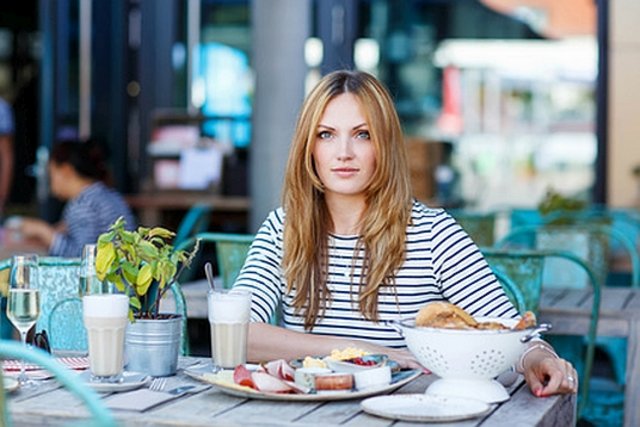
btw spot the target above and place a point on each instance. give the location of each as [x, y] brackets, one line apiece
[152, 346]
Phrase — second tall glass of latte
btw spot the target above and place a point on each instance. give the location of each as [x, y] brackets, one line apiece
[105, 318]
[229, 321]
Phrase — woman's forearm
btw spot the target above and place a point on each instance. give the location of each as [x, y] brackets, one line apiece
[268, 342]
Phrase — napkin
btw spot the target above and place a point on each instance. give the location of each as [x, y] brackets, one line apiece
[139, 400]
[69, 362]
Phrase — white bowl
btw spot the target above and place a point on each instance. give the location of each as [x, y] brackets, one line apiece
[467, 360]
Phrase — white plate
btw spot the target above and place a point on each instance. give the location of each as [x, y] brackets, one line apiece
[424, 407]
[130, 381]
[224, 381]
[10, 384]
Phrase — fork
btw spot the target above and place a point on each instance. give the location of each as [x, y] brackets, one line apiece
[158, 384]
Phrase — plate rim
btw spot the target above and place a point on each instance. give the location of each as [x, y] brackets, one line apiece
[124, 386]
[318, 397]
[377, 411]
[13, 384]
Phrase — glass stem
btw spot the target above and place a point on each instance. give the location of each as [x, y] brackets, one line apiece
[23, 371]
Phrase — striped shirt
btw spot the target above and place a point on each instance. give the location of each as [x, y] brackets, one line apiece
[441, 263]
[87, 216]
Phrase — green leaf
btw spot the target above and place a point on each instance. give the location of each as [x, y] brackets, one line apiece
[104, 258]
[130, 272]
[135, 302]
[145, 278]
[105, 238]
[161, 232]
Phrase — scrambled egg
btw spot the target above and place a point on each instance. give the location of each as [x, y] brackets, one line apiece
[347, 353]
[312, 362]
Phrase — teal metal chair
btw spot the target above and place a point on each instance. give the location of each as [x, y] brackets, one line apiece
[61, 306]
[590, 242]
[525, 269]
[480, 226]
[231, 251]
[101, 417]
[195, 221]
[513, 291]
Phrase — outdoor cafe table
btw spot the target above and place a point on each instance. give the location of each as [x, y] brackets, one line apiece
[51, 405]
[569, 312]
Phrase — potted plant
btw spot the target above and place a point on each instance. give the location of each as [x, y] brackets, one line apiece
[143, 265]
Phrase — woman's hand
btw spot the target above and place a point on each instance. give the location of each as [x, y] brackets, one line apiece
[38, 230]
[547, 374]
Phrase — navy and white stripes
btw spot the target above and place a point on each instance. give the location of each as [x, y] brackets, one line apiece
[442, 263]
[86, 217]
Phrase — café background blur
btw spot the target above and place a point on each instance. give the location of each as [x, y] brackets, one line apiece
[500, 99]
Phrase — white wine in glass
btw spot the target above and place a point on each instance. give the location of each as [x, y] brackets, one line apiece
[23, 305]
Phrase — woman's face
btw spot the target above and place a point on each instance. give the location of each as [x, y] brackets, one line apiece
[57, 179]
[343, 153]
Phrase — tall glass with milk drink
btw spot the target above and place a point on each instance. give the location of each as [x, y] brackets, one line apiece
[229, 320]
[105, 318]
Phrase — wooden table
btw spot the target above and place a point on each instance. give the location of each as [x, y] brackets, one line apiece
[151, 205]
[569, 312]
[55, 406]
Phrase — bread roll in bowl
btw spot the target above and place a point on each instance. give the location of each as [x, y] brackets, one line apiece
[442, 314]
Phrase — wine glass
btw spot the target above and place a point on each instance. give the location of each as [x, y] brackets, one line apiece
[23, 306]
[89, 282]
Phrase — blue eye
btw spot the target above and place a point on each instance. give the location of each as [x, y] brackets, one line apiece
[363, 135]
[324, 134]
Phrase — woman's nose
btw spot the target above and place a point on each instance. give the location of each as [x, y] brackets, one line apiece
[345, 149]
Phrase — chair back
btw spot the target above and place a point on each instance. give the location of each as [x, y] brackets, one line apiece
[231, 251]
[195, 221]
[590, 242]
[533, 262]
[525, 269]
[69, 379]
[512, 290]
[60, 305]
[479, 226]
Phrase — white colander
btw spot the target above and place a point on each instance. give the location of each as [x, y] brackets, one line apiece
[467, 361]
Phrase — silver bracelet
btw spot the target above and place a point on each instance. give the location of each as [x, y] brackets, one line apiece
[543, 347]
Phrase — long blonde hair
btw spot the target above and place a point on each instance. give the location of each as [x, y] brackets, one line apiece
[388, 200]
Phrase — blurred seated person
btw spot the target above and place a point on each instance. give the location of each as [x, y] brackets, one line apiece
[78, 175]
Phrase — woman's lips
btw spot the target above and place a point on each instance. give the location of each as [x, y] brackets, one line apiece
[345, 172]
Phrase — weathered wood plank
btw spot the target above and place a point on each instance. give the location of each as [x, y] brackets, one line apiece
[524, 409]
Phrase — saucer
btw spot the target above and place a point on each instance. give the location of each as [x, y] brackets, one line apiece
[10, 384]
[424, 407]
[130, 381]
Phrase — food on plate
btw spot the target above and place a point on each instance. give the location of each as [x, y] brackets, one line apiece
[313, 362]
[278, 376]
[306, 377]
[449, 316]
[273, 377]
[347, 353]
[374, 377]
[280, 369]
[333, 382]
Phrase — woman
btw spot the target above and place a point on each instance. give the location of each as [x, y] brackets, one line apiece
[76, 173]
[350, 248]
